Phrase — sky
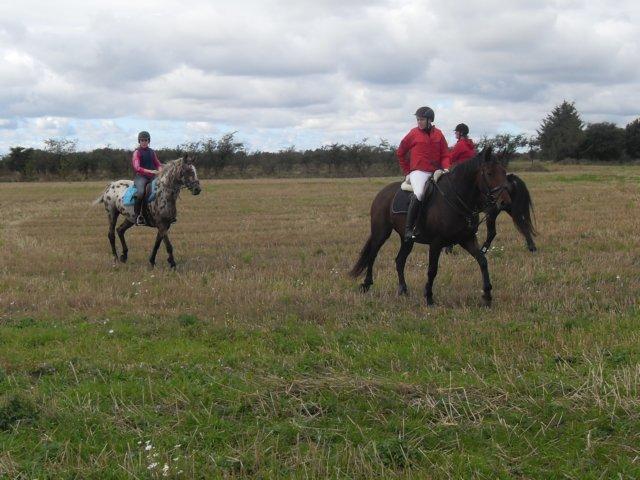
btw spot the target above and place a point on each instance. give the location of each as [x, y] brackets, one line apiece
[285, 73]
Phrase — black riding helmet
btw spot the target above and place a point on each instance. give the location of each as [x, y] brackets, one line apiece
[144, 136]
[462, 129]
[425, 112]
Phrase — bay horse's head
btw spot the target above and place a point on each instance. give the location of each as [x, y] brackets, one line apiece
[492, 180]
[188, 176]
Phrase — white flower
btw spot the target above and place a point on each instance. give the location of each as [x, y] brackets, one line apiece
[152, 466]
[148, 447]
[110, 332]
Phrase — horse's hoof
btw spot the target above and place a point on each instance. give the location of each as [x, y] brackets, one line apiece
[402, 290]
[533, 249]
[172, 265]
[486, 302]
[123, 258]
[364, 287]
[430, 302]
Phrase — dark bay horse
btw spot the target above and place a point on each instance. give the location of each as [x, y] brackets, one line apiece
[159, 213]
[520, 211]
[452, 217]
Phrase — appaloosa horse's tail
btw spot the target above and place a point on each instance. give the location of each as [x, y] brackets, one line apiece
[100, 199]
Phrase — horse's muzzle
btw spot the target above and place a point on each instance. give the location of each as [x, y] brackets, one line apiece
[504, 199]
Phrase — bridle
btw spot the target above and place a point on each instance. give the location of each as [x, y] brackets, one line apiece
[180, 183]
[470, 215]
[491, 194]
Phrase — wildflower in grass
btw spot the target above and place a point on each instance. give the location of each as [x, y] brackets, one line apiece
[152, 466]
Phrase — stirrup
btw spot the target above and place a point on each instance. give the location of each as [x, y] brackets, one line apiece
[140, 222]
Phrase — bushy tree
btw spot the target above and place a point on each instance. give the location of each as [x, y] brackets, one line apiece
[18, 158]
[61, 156]
[560, 134]
[632, 138]
[603, 141]
[504, 145]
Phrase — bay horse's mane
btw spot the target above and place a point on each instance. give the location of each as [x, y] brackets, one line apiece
[471, 166]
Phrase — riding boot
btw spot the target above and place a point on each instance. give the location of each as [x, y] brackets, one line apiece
[415, 206]
[137, 209]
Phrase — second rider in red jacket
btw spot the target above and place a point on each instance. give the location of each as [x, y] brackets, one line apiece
[464, 148]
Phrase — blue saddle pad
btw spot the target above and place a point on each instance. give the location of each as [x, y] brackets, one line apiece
[129, 197]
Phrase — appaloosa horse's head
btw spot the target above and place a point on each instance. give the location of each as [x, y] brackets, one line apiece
[188, 176]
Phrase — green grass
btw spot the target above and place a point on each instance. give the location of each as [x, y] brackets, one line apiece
[258, 358]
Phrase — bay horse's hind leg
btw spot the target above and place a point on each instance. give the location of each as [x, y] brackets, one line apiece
[401, 261]
[379, 235]
[380, 231]
[113, 218]
[169, 247]
[471, 246]
[124, 226]
[432, 271]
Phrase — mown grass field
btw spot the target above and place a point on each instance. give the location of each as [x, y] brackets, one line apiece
[258, 358]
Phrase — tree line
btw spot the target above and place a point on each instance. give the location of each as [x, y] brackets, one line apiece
[562, 135]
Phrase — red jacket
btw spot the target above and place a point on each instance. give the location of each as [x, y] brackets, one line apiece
[463, 150]
[427, 151]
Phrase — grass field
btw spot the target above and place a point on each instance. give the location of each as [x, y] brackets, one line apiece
[258, 358]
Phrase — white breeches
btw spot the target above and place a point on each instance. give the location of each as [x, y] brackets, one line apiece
[419, 182]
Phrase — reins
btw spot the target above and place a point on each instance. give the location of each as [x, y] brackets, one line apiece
[468, 213]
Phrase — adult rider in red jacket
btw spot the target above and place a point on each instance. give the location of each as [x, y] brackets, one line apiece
[464, 149]
[427, 151]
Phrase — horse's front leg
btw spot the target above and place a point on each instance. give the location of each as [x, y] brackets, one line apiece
[124, 226]
[471, 246]
[169, 247]
[491, 228]
[162, 231]
[434, 258]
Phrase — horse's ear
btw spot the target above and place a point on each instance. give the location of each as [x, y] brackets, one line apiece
[187, 159]
[486, 154]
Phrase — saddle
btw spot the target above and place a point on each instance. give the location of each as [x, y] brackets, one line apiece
[151, 188]
[402, 197]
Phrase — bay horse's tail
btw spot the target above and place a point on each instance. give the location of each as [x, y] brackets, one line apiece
[521, 206]
[363, 260]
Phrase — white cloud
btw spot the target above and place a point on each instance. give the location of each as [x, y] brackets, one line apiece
[282, 71]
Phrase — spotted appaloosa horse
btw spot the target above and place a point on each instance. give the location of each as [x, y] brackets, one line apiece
[160, 213]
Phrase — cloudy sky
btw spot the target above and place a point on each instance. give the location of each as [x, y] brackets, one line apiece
[307, 73]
